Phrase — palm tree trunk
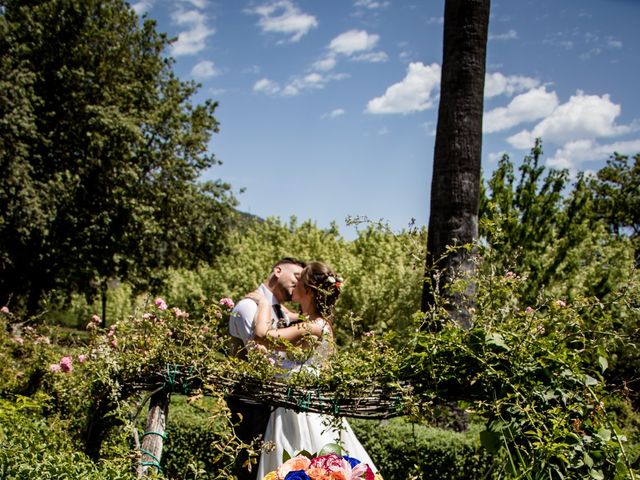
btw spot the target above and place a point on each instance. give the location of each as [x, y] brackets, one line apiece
[455, 186]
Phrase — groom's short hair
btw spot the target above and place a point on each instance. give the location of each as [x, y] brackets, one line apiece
[289, 260]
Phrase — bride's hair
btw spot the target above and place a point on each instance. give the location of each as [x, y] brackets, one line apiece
[324, 284]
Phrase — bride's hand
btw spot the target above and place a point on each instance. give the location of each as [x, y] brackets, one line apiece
[256, 296]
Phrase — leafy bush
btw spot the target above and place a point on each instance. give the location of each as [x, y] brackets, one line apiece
[35, 447]
[404, 450]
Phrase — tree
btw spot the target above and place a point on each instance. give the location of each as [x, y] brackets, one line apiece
[101, 153]
[617, 196]
[539, 227]
[455, 186]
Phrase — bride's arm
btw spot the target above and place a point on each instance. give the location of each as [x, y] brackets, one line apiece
[294, 333]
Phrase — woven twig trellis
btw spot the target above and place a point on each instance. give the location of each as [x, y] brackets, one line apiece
[372, 401]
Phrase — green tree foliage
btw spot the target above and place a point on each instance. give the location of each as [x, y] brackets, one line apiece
[617, 196]
[536, 226]
[101, 151]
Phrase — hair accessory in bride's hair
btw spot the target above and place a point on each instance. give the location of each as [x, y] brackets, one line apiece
[336, 280]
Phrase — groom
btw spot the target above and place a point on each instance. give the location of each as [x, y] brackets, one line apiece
[250, 418]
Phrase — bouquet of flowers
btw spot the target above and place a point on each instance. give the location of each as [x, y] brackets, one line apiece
[324, 466]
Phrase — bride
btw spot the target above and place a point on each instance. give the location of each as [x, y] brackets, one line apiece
[316, 291]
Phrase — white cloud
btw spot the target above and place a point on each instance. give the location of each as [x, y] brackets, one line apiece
[204, 69]
[282, 16]
[198, 3]
[582, 117]
[193, 39]
[371, 4]
[325, 64]
[297, 85]
[510, 35]
[526, 107]
[497, 84]
[435, 21]
[384, 131]
[573, 154]
[264, 85]
[353, 41]
[613, 43]
[338, 112]
[413, 94]
[495, 156]
[372, 57]
[142, 7]
[311, 81]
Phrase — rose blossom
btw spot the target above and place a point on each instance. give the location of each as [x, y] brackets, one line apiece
[180, 313]
[55, 367]
[561, 303]
[82, 358]
[227, 302]
[299, 462]
[161, 304]
[329, 462]
[5, 310]
[66, 364]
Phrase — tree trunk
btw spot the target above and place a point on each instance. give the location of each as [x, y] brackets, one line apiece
[455, 186]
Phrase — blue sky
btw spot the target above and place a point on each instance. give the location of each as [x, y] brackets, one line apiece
[328, 108]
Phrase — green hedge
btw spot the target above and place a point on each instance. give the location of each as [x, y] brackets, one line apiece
[397, 447]
[403, 450]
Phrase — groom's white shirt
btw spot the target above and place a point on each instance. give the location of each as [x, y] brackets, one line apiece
[241, 321]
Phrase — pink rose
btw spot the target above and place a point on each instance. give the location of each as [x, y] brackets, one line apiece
[161, 304]
[561, 303]
[330, 463]
[299, 462]
[529, 310]
[66, 364]
[82, 358]
[114, 342]
[179, 313]
[510, 275]
[5, 310]
[227, 302]
[55, 367]
[96, 319]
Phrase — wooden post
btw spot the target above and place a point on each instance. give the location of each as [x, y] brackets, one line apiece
[154, 436]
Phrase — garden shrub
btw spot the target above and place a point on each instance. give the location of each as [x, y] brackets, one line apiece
[35, 447]
[401, 449]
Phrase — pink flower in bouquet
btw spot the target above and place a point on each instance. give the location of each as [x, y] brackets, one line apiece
[5, 310]
[66, 364]
[329, 463]
[227, 302]
[161, 304]
[299, 462]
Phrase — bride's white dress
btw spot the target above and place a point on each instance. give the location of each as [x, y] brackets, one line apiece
[293, 431]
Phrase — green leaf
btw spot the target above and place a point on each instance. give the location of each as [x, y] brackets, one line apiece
[590, 381]
[596, 474]
[497, 340]
[330, 448]
[588, 461]
[285, 456]
[603, 363]
[604, 434]
[490, 440]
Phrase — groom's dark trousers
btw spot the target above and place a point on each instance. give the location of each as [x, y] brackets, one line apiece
[250, 421]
